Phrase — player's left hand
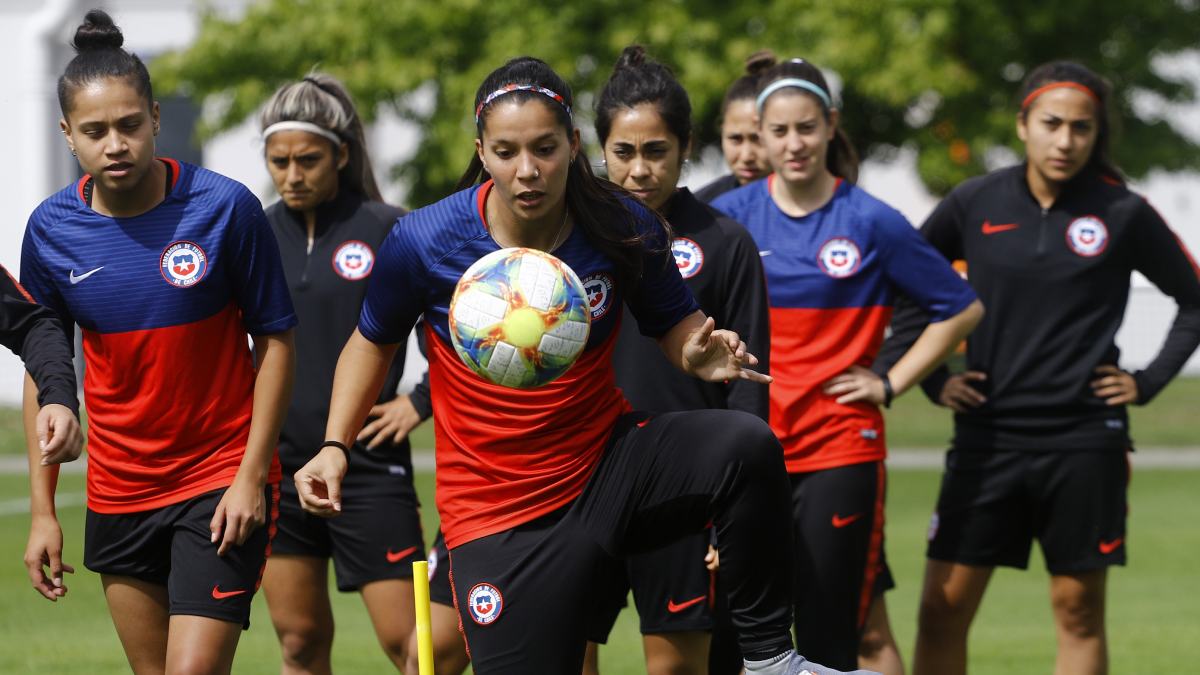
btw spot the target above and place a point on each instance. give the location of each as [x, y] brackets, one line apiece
[393, 420]
[712, 559]
[241, 509]
[719, 355]
[59, 437]
[856, 384]
[1115, 386]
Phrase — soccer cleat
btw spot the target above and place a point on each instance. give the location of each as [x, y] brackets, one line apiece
[791, 663]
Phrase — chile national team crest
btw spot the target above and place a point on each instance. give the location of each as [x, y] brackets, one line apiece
[484, 602]
[599, 289]
[689, 257]
[839, 257]
[1087, 236]
[183, 264]
[353, 260]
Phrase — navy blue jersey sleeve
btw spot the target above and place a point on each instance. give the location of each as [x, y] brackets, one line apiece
[919, 272]
[396, 290]
[256, 272]
[661, 299]
[1163, 259]
[36, 280]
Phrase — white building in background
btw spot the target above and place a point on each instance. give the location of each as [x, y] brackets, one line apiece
[35, 37]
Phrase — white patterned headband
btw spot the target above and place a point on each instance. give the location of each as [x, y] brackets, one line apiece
[509, 88]
[294, 125]
[794, 82]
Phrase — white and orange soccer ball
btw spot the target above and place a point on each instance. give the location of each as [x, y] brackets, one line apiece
[519, 317]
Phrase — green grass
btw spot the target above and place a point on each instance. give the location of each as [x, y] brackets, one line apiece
[1153, 616]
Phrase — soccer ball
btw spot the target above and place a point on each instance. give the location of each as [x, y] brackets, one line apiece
[519, 317]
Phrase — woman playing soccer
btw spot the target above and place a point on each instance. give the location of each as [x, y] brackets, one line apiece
[330, 222]
[165, 267]
[835, 259]
[1040, 427]
[539, 488]
[643, 122]
[740, 142]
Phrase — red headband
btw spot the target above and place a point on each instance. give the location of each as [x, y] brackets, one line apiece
[1058, 85]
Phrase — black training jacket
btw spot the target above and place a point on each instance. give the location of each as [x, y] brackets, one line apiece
[35, 334]
[1054, 283]
[720, 263]
[327, 286]
[717, 187]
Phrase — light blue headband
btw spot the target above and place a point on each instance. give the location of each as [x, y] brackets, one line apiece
[792, 82]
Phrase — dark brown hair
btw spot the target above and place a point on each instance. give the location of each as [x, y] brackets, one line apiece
[636, 80]
[99, 55]
[840, 158]
[1070, 71]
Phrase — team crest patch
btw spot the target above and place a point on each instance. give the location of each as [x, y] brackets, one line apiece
[485, 603]
[839, 257]
[689, 257]
[1087, 236]
[599, 289]
[183, 264]
[353, 260]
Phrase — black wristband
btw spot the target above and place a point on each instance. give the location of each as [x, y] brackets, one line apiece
[888, 392]
[336, 444]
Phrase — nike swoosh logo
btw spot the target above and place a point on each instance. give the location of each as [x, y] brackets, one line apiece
[400, 555]
[763, 254]
[76, 279]
[1107, 547]
[219, 594]
[840, 522]
[989, 228]
[675, 609]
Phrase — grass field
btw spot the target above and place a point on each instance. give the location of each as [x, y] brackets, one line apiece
[1154, 618]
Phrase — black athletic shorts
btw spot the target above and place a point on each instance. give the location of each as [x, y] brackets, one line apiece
[526, 596]
[376, 536]
[439, 572]
[993, 504]
[672, 588]
[838, 516]
[172, 546]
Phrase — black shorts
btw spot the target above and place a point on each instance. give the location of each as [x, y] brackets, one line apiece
[172, 546]
[439, 572]
[673, 590]
[526, 596]
[838, 516]
[993, 504]
[376, 536]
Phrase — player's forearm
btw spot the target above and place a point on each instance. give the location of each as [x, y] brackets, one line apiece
[42, 479]
[673, 342]
[361, 370]
[935, 343]
[272, 392]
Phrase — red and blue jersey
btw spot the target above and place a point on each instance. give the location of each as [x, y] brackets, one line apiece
[832, 277]
[165, 300]
[506, 456]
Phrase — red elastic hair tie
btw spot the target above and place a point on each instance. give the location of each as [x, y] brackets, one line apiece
[1058, 85]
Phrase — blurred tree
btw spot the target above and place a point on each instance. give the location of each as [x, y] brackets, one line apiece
[936, 75]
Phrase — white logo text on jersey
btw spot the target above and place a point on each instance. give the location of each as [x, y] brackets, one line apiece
[76, 279]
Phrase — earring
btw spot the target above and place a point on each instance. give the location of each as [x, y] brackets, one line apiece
[537, 173]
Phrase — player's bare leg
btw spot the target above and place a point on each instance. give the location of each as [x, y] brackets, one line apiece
[591, 659]
[139, 613]
[877, 649]
[199, 645]
[1078, 601]
[449, 649]
[683, 653]
[390, 604]
[296, 589]
[949, 600]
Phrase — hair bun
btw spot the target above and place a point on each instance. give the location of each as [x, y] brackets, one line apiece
[758, 62]
[632, 56]
[97, 32]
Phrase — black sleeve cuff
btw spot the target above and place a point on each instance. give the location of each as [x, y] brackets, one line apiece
[933, 385]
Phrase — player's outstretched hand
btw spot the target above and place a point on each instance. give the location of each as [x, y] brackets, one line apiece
[242, 508]
[319, 483]
[856, 384]
[58, 434]
[45, 550]
[1115, 386]
[719, 355]
[393, 420]
[958, 393]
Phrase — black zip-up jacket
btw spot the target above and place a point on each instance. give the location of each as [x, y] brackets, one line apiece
[1054, 283]
[35, 334]
[717, 187]
[728, 283]
[327, 285]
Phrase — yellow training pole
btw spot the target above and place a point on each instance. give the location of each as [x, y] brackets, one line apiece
[424, 623]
